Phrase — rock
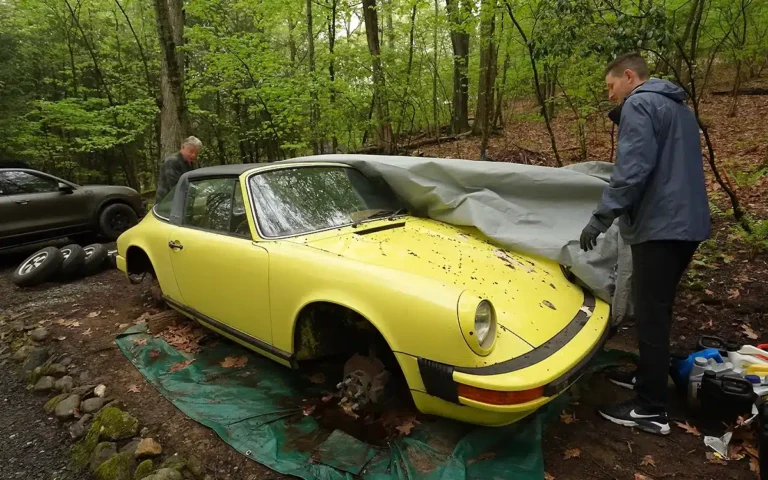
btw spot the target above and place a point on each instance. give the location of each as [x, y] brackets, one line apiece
[164, 474]
[55, 370]
[100, 390]
[36, 358]
[66, 361]
[92, 405]
[118, 467]
[64, 384]
[83, 390]
[195, 467]
[65, 410]
[130, 447]
[78, 429]
[148, 447]
[103, 452]
[17, 325]
[44, 384]
[117, 424]
[174, 462]
[22, 353]
[143, 470]
[81, 453]
[35, 375]
[85, 377]
[50, 405]
[39, 334]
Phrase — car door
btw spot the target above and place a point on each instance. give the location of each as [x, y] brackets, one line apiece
[219, 271]
[37, 204]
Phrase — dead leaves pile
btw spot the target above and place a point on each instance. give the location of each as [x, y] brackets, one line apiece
[185, 338]
[234, 362]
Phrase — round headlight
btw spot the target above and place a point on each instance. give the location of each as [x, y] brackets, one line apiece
[484, 322]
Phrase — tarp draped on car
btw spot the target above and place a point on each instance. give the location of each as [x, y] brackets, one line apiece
[530, 209]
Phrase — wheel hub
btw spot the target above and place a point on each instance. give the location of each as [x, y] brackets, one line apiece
[33, 263]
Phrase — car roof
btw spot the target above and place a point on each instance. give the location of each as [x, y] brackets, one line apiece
[241, 168]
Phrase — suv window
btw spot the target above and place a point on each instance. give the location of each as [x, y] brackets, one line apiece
[209, 204]
[23, 182]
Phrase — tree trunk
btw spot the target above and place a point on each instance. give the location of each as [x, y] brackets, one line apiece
[332, 65]
[498, 119]
[292, 41]
[460, 42]
[383, 125]
[486, 77]
[174, 119]
[408, 71]
[314, 113]
[434, 72]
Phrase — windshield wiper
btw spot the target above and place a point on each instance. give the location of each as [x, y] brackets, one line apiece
[380, 214]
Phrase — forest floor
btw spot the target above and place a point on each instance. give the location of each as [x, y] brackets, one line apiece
[724, 293]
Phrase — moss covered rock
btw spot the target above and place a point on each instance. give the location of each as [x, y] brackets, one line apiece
[50, 405]
[81, 453]
[174, 462]
[103, 452]
[143, 470]
[119, 467]
[117, 424]
[165, 474]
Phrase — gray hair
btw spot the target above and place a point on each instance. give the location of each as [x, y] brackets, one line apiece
[192, 141]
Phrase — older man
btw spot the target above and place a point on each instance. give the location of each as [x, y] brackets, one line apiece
[176, 165]
[657, 190]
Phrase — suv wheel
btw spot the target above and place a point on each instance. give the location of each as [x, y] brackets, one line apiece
[38, 268]
[115, 219]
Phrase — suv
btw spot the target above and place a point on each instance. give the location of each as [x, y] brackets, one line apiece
[35, 206]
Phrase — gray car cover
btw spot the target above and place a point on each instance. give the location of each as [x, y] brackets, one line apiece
[535, 210]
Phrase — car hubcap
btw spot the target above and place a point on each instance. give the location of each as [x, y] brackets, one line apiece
[65, 253]
[88, 251]
[33, 263]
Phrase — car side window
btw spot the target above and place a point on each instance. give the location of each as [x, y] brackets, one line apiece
[239, 223]
[23, 182]
[209, 204]
[163, 209]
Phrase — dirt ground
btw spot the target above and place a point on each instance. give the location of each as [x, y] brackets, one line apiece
[724, 293]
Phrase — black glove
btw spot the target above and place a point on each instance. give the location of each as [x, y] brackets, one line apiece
[588, 238]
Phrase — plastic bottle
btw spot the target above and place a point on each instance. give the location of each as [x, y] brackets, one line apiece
[743, 357]
[726, 396]
[700, 366]
[681, 367]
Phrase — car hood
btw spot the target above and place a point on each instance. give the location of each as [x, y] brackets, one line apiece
[531, 296]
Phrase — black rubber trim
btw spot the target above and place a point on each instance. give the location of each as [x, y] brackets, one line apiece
[543, 351]
[577, 370]
[381, 228]
[438, 380]
[255, 342]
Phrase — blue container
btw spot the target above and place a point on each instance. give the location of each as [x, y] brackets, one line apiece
[680, 368]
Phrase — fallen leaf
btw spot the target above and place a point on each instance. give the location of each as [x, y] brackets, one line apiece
[67, 323]
[749, 332]
[752, 451]
[328, 397]
[713, 457]
[740, 421]
[87, 332]
[234, 362]
[123, 326]
[142, 319]
[154, 354]
[689, 428]
[707, 325]
[709, 292]
[547, 476]
[140, 342]
[349, 411]
[567, 418]
[94, 314]
[734, 293]
[754, 465]
[133, 389]
[571, 453]
[113, 312]
[406, 427]
[61, 338]
[308, 410]
[317, 378]
[481, 457]
[640, 476]
[648, 460]
[180, 365]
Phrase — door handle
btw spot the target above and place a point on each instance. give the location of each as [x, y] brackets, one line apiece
[175, 245]
[22, 202]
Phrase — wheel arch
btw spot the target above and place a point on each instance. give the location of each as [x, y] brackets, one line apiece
[106, 202]
[138, 261]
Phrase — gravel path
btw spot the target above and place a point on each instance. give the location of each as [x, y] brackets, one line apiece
[33, 446]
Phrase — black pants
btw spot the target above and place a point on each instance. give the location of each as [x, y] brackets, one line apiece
[657, 267]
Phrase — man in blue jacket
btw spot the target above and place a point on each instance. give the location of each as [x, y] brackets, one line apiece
[657, 191]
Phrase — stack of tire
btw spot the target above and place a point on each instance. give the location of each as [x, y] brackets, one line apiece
[64, 264]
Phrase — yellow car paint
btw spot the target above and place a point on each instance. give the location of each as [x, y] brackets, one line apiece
[406, 280]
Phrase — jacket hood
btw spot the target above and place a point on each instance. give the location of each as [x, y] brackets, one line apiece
[662, 87]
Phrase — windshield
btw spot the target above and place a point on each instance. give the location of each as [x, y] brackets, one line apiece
[294, 201]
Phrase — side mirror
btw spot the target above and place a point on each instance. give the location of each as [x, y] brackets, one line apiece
[64, 188]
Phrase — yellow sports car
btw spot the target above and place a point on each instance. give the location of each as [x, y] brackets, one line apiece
[303, 260]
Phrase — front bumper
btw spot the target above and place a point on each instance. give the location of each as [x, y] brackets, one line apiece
[553, 366]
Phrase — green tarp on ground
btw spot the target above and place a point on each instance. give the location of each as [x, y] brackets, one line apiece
[261, 411]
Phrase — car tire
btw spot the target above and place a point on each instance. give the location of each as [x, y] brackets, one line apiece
[73, 262]
[95, 258]
[115, 219]
[38, 267]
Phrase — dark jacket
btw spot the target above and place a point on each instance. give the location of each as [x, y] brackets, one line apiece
[173, 167]
[657, 185]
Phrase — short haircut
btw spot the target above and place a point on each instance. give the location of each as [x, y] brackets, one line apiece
[192, 141]
[630, 61]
